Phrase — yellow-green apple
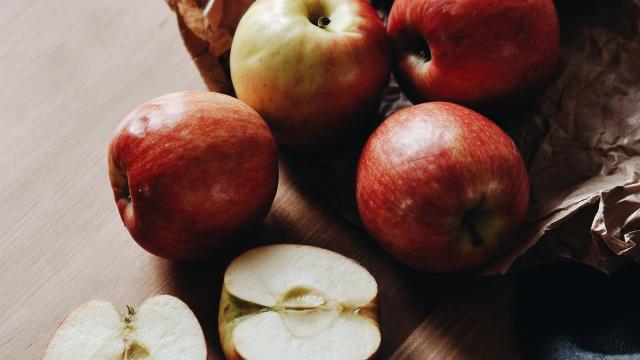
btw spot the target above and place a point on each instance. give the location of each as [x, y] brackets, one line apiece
[441, 187]
[290, 302]
[162, 328]
[191, 172]
[314, 69]
[480, 53]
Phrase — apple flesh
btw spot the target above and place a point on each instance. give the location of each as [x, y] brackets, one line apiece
[289, 302]
[314, 69]
[480, 53]
[441, 187]
[191, 172]
[163, 328]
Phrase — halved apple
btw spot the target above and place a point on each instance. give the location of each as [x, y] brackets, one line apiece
[163, 328]
[298, 302]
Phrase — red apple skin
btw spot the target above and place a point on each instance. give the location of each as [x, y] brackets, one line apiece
[191, 172]
[313, 91]
[441, 188]
[485, 54]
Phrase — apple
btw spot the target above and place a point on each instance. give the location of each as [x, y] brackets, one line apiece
[192, 172]
[480, 53]
[315, 70]
[441, 187]
[163, 328]
[290, 302]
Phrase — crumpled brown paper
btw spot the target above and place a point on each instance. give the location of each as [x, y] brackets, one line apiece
[580, 138]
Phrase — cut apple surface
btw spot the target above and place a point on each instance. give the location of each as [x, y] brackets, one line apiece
[163, 328]
[298, 302]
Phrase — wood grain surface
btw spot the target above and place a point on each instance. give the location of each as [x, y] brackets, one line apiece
[69, 72]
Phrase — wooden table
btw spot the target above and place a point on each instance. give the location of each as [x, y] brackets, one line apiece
[69, 72]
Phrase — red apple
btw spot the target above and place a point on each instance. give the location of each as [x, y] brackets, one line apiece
[313, 69]
[481, 53]
[191, 172]
[441, 187]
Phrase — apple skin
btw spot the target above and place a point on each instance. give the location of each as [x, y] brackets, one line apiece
[485, 54]
[191, 172]
[313, 86]
[441, 188]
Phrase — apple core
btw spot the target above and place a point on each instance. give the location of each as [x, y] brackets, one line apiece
[303, 298]
[305, 311]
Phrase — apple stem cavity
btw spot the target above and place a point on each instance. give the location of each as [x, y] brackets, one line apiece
[474, 236]
[422, 50]
[119, 181]
[323, 22]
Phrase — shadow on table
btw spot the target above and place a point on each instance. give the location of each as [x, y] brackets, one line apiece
[452, 313]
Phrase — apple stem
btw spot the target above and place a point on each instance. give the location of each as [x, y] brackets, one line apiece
[323, 21]
[424, 56]
[130, 312]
